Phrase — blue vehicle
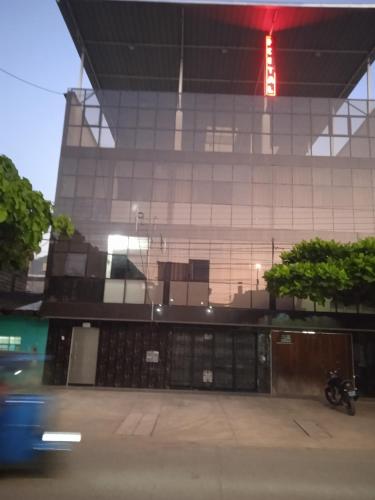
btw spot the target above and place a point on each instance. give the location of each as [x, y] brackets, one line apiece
[24, 437]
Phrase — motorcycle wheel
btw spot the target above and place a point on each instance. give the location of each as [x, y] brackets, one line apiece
[332, 396]
[350, 406]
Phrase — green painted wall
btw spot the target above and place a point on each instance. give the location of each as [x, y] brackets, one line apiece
[33, 333]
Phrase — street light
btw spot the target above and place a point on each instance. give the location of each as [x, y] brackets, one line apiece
[257, 267]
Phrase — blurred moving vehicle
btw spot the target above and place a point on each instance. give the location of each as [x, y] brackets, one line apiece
[24, 419]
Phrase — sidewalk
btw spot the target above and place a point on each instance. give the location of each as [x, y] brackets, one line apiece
[220, 419]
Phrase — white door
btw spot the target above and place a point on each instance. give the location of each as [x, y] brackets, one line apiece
[83, 356]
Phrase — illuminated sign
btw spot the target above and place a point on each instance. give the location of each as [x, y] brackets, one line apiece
[270, 70]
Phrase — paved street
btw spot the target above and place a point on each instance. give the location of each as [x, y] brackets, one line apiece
[167, 445]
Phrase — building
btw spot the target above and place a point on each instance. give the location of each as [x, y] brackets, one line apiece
[185, 181]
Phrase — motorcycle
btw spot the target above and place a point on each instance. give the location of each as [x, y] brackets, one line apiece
[340, 391]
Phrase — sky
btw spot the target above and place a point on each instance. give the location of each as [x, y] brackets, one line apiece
[35, 45]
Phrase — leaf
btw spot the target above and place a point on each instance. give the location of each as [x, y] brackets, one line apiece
[3, 214]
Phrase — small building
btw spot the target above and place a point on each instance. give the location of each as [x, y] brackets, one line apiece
[215, 136]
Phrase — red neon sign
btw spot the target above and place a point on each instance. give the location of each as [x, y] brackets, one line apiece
[270, 70]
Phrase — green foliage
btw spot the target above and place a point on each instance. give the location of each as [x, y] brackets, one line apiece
[24, 217]
[321, 270]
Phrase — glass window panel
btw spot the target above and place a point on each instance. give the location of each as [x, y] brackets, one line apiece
[159, 211]
[147, 99]
[358, 126]
[188, 100]
[102, 187]
[322, 196]
[222, 192]
[163, 170]
[372, 143]
[204, 101]
[241, 193]
[342, 196]
[243, 102]
[302, 218]
[122, 188]
[188, 120]
[85, 186]
[343, 220]
[68, 166]
[129, 98]
[114, 291]
[221, 215]
[188, 141]
[124, 169]
[204, 120]
[321, 146]
[164, 140]
[67, 185]
[110, 117]
[183, 171]
[320, 106]
[90, 137]
[301, 124]
[323, 219]
[154, 293]
[203, 141]
[320, 125]
[224, 102]
[282, 124]
[146, 118]
[120, 211]
[201, 214]
[82, 208]
[223, 121]
[87, 167]
[107, 139]
[202, 192]
[362, 197]
[262, 123]
[322, 176]
[282, 104]
[220, 293]
[242, 173]
[282, 175]
[167, 100]
[202, 172]
[262, 217]
[75, 264]
[197, 294]
[73, 136]
[302, 196]
[178, 293]
[360, 148]
[282, 195]
[282, 144]
[128, 118]
[222, 172]
[361, 177]
[75, 115]
[302, 145]
[262, 144]
[340, 146]
[166, 119]
[135, 292]
[182, 191]
[92, 116]
[242, 143]
[282, 217]
[101, 209]
[341, 176]
[243, 122]
[301, 105]
[161, 190]
[364, 220]
[181, 213]
[339, 107]
[144, 139]
[357, 107]
[126, 138]
[241, 216]
[141, 189]
[302, 175]
[262, 194]
[372, 127]
[340, 125]
[223, 142]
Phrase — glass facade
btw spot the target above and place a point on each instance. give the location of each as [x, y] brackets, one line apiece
[196, 202]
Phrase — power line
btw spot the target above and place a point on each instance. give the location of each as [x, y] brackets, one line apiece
[30, 83]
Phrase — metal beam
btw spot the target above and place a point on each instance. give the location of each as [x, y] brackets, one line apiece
[209, 80]
[356, 75]
[134, 45]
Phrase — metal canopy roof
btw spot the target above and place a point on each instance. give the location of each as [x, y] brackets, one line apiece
[320, 51]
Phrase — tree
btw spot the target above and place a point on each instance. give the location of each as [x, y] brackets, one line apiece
[24, 217]
[321, 270]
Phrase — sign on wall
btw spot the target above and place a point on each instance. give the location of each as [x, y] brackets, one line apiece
[269, 68]
[152, 356]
